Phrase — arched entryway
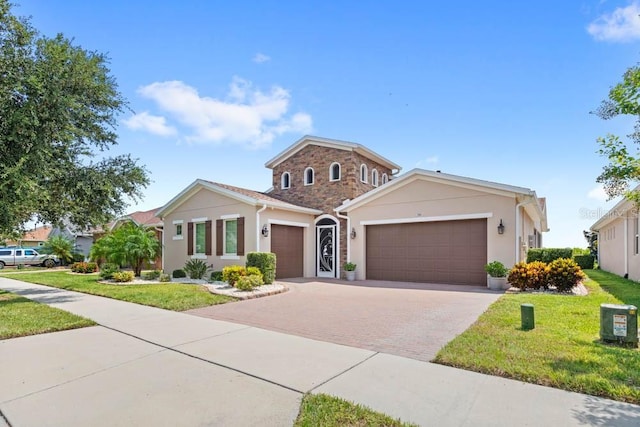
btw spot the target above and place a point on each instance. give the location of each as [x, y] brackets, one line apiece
[326, 246]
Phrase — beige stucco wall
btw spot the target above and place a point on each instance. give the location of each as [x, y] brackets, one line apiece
[611, 247]
[212, 206]
[422, 200]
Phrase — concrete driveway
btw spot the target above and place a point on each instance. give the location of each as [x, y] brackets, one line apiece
[405, 319]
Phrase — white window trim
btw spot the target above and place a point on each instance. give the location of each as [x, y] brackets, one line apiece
[197, 221]
[331, 178]
[282, 180]
[178, 237]
[374, 177]
[385, 178]
[230, 257]
[177, 221]
[364, 173]
[199, 256]
[427, 219]
[225, 218]
[202, 219]
[230, 216]
[313, 175]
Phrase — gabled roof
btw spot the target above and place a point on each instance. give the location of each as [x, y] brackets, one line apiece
[250, 197]
[435, 176]
[38, 234]
[615, 212]
[145, 218]
[331, 143]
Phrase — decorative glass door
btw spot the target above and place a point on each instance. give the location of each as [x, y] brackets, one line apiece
[325, 251]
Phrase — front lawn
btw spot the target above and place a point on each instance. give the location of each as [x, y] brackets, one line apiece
[329, 411]
[170, 296]
[563, 350]
[20, 316]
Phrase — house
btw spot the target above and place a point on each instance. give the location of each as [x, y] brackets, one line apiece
[82, 239]
[32, 239]
[618, 245]
[333, 201]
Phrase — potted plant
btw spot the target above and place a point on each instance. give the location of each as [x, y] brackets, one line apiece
[497, 275]
[350, 271]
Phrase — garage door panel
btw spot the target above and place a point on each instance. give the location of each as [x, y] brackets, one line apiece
[438, 252]
[287, 243]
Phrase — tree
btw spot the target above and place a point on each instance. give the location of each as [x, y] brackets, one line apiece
[58, 110]
[61, 247]
[129, 244]
[623, 167]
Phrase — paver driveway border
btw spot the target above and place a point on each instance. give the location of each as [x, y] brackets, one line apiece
[405, 319]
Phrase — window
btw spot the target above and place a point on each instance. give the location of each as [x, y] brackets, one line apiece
[385, 178]
[4, 253]
[285, 180]
[18, 253]
[334, 172]
[178, 229]
[363, 173]
[374, 178]
[308, 176]
[29, 252]
[201, 237]
[231, 237]
[177, 232]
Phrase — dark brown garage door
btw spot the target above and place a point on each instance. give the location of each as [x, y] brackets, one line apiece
[287, 244]
[452, 252]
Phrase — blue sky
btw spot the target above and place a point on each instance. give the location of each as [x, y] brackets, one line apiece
[493, 90]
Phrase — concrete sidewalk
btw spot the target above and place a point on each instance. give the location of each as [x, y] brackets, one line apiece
[147, 366]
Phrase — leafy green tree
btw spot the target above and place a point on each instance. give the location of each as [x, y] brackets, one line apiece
[623, 167]
[58, 112]
[61, 247]
[129, 244]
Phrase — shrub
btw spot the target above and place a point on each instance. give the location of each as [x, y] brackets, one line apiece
[77, 257]
[493, 269]
[349, 266]
[232, 273]
[532, 275]
[266, 262]
[548, 255]
[123, 276]
[107, 270]
[585, 262]
[20, 266]
[250, 282]
[151, 275]
[195, 268]
[84, 267]
[216, 276]
[254, 271]
[564, 274]
[580, 251]
[164, 278]
[178, 274]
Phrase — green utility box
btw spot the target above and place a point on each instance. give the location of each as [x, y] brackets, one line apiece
[619, 323]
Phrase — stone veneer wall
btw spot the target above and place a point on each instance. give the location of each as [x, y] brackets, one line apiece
[324, 194]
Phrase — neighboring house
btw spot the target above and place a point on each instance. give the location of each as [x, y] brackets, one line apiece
[333, 201]
[33, 239]
[618, 245]
[82, 240]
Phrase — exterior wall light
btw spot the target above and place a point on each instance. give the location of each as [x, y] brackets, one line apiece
[501, 227]
[265, 231]
[353, 233]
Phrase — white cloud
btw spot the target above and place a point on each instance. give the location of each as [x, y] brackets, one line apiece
[156, 125]
[259, 58]
[622, 25]
[598, 193]
[432, 160]
[247, 116]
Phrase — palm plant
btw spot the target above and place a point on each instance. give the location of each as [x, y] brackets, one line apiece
[129, 244]
[61, 247]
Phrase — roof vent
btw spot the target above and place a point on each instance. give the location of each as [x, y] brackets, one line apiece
[438, 171]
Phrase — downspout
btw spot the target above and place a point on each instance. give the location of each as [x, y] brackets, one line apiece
[518, 231]
[161, 231]
[626, 247]
[347, 236]
[262, 209]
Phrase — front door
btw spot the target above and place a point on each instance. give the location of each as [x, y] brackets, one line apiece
[326, 250]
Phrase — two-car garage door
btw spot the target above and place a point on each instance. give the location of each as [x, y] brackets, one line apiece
[452, 252]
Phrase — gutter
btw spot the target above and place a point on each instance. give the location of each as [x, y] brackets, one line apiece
[262, 209]
[518, 231]
[347, 234]
[161, 230]
[626, 246]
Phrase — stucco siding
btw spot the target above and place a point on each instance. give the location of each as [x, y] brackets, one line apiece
[611, 247]
[424, 200]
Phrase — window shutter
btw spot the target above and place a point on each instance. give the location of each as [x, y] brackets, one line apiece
[240, 247]
[219, 238]
[207, 237]
[189, 238]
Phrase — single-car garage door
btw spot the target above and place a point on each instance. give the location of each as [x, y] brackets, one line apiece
[452, 252]
[287, 243]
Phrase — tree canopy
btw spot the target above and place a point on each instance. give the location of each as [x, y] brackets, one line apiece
[624, 167]
[58, 114]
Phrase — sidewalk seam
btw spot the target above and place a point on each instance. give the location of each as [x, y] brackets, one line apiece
[207, 361]
[4, 417]
[344, 372]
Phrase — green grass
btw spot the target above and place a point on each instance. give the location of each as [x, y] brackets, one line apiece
[327, 411]
[170, 296]
[563, 350]
[20, 317]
